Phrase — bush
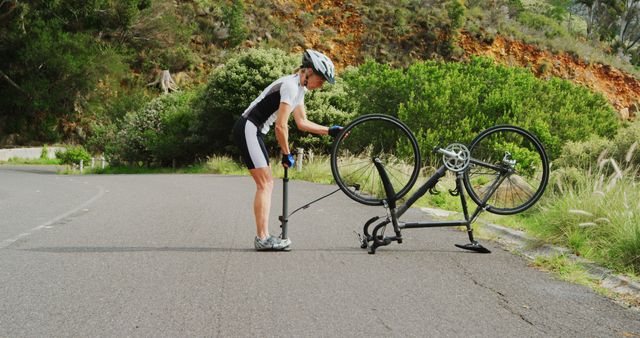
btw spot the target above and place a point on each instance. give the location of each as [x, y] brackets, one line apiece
[102, 137]
[596, 215]
[44, 154]
[625, 147]
[72, 155]
[178, 58]
[550, 27]
[235, 19]
[452, 102]
[173, 143]
[157, 134]
[563, 180]
[583, 154]
[622, 148]
[328, 106]
[233, 87]
[593, 207]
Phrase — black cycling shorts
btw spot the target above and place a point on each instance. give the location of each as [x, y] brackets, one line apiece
[250, 140]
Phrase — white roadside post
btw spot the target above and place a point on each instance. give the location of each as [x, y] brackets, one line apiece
[300, 158]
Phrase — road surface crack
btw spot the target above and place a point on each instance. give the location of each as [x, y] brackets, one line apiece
[375, 311]
[503, 301]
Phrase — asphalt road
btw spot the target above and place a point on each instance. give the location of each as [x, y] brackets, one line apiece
[172, 256]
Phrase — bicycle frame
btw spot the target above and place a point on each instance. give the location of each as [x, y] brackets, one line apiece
[396, 212]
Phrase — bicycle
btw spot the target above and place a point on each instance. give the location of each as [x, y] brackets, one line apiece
[375, 161]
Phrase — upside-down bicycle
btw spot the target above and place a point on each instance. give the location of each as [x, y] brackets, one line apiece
[376, 161]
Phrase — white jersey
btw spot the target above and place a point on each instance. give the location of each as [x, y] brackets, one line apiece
[263, 111]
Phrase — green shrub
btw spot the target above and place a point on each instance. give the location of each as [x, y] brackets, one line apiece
[132, 137]
[73, 155]
[327, 106]
[550, 27]
[596, 215]
[179, 58]
[102, 136]
[452, 102]
[583, 154]
[44, 154]
[622, 148]
[158, 134]
[626, 145]
[173, 142]
[592, 206]
[236, 21]
[233, 87]
[377, 88]
[562, 180]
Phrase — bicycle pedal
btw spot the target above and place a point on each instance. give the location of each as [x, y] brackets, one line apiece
[473, 246]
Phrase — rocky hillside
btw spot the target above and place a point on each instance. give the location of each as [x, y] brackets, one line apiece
[620, 88]
[345, 45]
[102, 55]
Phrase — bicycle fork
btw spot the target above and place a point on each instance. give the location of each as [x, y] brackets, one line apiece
[391, 206]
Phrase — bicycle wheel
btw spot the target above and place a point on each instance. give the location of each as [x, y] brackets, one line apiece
[365, 139]
[508, 170]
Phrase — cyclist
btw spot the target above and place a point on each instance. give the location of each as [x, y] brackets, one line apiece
[275, 104]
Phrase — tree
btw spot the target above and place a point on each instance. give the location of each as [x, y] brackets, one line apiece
[592, 10]
[613, 21]
[53, 54]
[628, 23]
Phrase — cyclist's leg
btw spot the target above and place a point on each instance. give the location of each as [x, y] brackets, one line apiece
[262, 200]
[254, 153]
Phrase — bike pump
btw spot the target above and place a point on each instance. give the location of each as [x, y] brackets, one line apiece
[284, 218]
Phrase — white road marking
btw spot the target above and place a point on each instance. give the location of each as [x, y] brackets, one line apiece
[5, 243]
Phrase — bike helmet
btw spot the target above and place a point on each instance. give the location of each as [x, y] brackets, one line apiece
[320, 63]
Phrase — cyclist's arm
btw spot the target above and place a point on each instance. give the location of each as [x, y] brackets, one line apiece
[282, 127]
[300, 116]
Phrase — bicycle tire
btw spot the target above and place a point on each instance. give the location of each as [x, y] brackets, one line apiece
[509, 170]
[375, 136]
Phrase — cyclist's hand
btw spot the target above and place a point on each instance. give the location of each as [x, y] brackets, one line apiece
[334, 131]
[287, 160]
